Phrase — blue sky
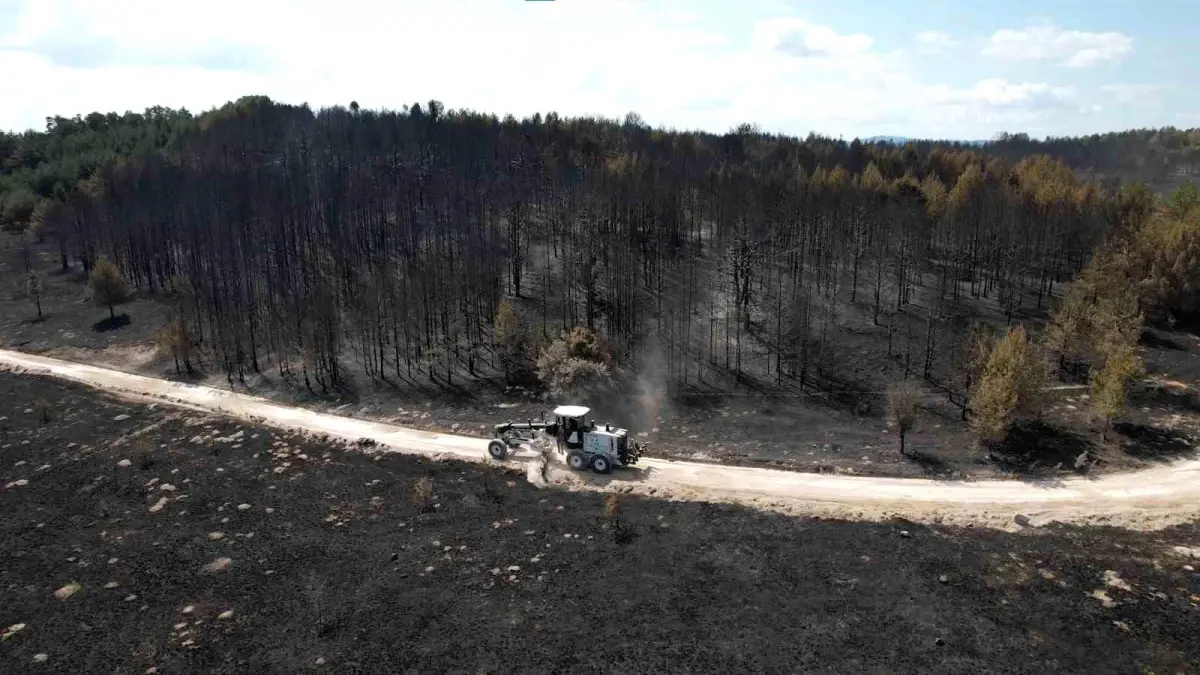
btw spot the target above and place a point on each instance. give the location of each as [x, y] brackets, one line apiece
[930, 68]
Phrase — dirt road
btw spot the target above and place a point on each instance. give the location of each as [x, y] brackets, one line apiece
[1149, 499]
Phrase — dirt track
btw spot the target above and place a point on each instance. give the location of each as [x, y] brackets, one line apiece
[1150, 499]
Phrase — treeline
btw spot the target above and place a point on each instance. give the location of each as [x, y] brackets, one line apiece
[291, 239]
[36, 167]
[1116, 158]
[1142, 154]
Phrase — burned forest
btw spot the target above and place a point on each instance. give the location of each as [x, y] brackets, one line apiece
[298, 241]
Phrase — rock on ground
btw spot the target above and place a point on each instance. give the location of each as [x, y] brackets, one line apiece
[218, 565]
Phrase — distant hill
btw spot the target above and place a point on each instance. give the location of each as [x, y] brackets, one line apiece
[901, 140]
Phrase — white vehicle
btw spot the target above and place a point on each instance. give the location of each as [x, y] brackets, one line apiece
[585, 443]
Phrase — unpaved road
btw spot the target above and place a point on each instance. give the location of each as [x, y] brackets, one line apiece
[1149, 499]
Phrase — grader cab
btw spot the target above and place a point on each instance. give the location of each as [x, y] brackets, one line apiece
[585, 443]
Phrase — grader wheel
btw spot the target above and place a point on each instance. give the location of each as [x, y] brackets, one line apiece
[577, 460]
[600, 464]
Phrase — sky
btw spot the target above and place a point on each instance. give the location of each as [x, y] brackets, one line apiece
[850, 68]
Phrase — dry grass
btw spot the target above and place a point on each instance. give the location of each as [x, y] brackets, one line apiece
[422, 494]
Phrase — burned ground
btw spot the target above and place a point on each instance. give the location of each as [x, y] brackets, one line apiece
[158, 521]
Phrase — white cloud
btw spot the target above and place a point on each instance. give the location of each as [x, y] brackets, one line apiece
[934, 42]
[581, 57]
[1003, 94]
[801, 38]
[1073, 48]
[1127, 93]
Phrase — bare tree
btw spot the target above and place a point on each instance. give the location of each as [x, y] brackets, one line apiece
[904, 408]
[34, 289]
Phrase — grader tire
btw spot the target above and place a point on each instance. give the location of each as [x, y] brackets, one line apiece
[498, 450]
[601, 464]
[577, 460]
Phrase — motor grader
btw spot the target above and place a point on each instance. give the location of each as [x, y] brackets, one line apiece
[585, 443]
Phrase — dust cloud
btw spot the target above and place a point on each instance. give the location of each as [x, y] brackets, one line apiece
[650, 387]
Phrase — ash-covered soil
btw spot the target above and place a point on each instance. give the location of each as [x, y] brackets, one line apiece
[191, 543]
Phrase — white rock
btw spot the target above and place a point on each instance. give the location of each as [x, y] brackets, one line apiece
[218, 565]
[1111, 578]
[40, 658]
[188, 610]
[1188, 551]
[166, 487]
[159, 505]
[124, 464]
[111, 585]
[243, 507]
[67, 591]
[121, 418]
[226, 615]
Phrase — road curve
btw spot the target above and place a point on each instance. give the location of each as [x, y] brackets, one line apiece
[1150, 499]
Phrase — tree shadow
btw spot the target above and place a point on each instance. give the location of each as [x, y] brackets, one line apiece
[1154, 443]
[1073, 372]
[1185, 320]
[1168, 397]
[112, 323]
[1033, 313]
[1152, 340]
[693, 398]
[197, 375]
[1039, 451]
[444, 392]
[933, 466]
